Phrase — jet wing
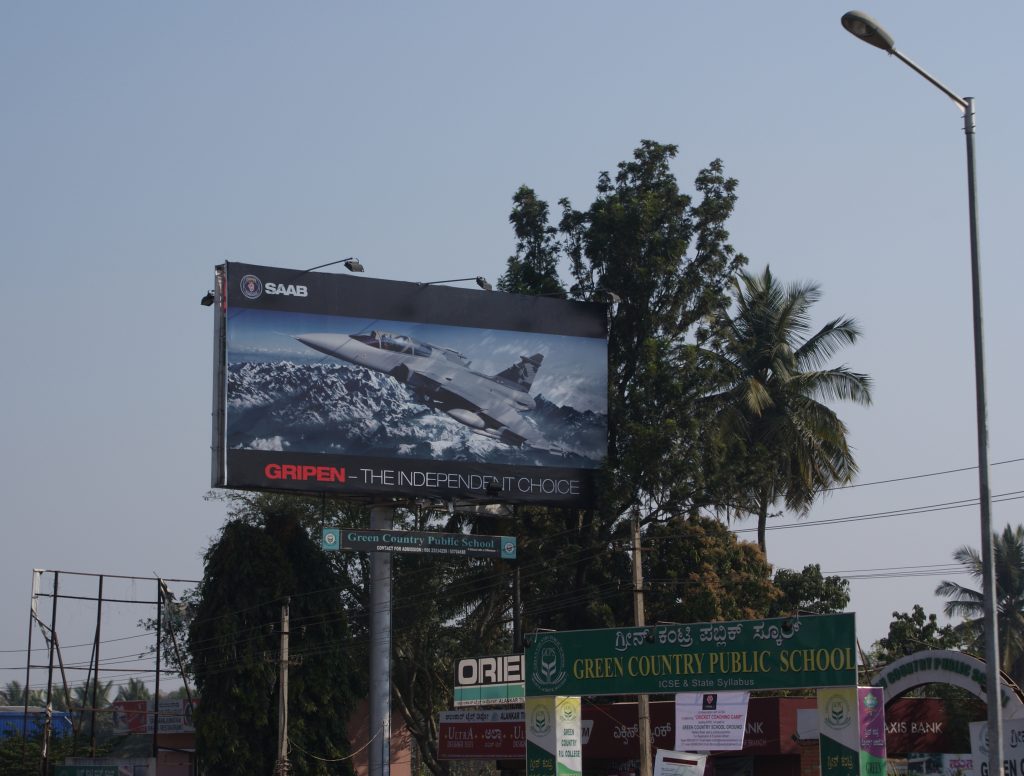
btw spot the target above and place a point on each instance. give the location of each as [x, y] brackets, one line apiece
[483, 404]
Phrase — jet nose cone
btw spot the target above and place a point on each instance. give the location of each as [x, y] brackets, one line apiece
[331, 344]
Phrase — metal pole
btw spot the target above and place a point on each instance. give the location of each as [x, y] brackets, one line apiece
[643, 708]
[379, 755]
[156, 692]
[96, 673]
[49, 678]
[282, 767]
[32, 616]
[993, 686]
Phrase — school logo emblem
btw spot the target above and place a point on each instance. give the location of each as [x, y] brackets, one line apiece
[540, 722]
[547, 664]
[837, 713]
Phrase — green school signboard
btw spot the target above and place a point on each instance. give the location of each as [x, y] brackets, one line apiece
[769, 654]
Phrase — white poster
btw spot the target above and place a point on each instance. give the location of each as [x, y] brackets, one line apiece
[669, 763]
[711, 721]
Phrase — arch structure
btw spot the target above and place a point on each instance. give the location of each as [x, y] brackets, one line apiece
[946, 667]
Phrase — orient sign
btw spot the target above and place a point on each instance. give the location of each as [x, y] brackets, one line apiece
[770, 654]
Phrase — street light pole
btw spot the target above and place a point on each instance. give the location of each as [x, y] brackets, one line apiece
[867, 29]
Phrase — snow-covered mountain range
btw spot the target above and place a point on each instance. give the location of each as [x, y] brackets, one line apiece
[344, 409]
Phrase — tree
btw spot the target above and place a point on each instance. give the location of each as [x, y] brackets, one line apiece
[912, 632]
[668, 262]
[262, 558]
[13, 694]
[697, 571]
[808, 591]
[135, 690]
[534, 267]
[1008, 551]
[916, 631]
[793, 447]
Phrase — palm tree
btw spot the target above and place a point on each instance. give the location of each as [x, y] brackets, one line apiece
[135, 690]
[1008, 550]
[13, 694]
[791, 446]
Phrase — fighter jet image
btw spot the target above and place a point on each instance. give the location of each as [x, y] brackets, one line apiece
[441, 378]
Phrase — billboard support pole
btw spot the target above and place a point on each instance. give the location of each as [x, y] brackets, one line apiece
[382, 518]
[643, 708]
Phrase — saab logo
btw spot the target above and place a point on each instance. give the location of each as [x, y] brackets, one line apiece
[837, 712]
[710, 702]
[251, 286]
[280, 289]
[547, 664]
[287, 471]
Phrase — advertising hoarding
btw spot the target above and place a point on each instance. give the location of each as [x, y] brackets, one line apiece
[492, 680]
[768, 654]
[350, 385]
[481, 735]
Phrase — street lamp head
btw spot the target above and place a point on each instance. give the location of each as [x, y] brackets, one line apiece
[862, 26]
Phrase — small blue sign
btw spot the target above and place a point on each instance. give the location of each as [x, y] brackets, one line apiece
[508, 547]
[330, 539]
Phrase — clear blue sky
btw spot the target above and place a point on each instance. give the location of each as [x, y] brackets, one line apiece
[143, 143]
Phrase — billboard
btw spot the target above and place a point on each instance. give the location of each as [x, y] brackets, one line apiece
[481, 735]
[352, 385]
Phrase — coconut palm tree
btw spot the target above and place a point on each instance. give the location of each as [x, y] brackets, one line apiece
[789, 445]
[1008, 551]
[13, 694]
[135, 690]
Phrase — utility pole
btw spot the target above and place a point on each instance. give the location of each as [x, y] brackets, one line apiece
[643, 709]
[382, 517]
[282, 767]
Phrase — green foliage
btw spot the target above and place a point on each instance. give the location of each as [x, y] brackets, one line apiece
[785, 443]
[808, 591]
[697, 571]
[665, 264]
[668, 262]
[534, 268]
[1008, 552]
[13, 694]
[573, 576]
[912, 632]
[23, 757]
[263, 557]
[135, 690]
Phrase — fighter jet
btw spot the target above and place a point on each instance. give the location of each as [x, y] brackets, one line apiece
[441, 378]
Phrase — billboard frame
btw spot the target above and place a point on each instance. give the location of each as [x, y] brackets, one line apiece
[549, 476]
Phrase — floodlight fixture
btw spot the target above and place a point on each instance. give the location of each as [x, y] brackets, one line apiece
[480, 280]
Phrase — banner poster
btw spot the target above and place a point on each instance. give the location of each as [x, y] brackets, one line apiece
[669, 763]
[540, 736]
[1013, 748]
[554, 745]
[935, 764]
[569, 760]
[839, 731]
[711, 721]
[871, 711]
